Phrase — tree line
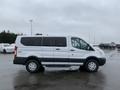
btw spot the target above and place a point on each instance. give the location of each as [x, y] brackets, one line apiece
[10, 37]
[7, 37]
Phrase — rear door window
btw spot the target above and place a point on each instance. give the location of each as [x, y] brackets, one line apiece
[54, 41]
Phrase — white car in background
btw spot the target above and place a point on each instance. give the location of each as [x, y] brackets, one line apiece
[6, 48]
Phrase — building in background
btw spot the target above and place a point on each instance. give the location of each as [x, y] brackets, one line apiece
[111, 46]
[118, 47]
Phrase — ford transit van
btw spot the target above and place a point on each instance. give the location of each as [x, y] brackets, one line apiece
[38, 52]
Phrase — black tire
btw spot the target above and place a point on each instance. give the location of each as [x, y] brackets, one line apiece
[33, 66]
[92, 65]
[4, 51]
[82, 68]
[41, 69]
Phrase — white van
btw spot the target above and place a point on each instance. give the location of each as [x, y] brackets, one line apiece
[37, 52]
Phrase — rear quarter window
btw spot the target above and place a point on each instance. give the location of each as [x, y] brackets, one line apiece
[31, 41]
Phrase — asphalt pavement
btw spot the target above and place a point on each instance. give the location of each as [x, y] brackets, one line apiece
[15, 77]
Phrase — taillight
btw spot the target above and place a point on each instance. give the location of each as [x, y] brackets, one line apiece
[15, 52]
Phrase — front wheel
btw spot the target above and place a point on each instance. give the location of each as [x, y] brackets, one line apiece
[92, 65]
[82, 68]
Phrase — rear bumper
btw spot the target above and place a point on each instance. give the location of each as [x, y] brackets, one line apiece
[102, 61]
[19, 60]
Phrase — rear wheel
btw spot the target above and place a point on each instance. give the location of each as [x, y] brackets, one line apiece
[34, 66]
[4, 51]
[92, 65]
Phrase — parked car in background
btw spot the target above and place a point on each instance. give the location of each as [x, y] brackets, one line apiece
[12, 45]
[6, 48]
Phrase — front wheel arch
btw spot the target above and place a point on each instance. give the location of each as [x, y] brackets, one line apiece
[92, 57]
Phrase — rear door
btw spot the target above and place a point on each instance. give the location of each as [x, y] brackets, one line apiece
[47, 48]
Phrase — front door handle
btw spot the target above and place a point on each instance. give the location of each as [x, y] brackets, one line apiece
[72, 50]
[57, 49]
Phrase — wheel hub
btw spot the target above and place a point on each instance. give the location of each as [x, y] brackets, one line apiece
[32, 66]
[92, 66]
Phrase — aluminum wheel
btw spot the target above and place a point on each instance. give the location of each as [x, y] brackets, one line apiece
[92, 66]
[32, 66]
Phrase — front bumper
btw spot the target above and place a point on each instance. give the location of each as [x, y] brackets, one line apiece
[102, 61]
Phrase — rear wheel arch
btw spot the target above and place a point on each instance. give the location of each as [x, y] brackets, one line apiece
[33, 58]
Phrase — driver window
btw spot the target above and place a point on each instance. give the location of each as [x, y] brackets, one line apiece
[79, 44]
[75, 43]
[84, 45]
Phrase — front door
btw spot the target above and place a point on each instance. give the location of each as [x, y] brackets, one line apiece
[79, 50]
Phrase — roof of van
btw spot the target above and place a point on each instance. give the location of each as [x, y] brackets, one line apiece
[46, 36]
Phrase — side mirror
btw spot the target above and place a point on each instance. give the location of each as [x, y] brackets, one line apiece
[90, 48]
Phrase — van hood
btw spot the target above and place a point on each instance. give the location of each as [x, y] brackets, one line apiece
[100, 51]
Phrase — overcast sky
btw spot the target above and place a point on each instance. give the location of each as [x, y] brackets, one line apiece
[83, 18]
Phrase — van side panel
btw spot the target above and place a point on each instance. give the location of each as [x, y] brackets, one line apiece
[54, 55]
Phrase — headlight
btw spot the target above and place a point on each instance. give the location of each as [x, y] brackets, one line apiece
[101, 52]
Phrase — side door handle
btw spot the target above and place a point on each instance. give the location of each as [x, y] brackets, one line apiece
[72, 50]
[57, 49]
